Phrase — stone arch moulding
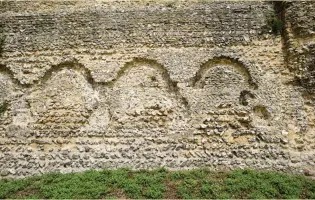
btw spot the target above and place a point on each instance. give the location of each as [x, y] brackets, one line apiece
[138, 61]
[240, 66]
[144, 97]
[72, 65]
[63, 99]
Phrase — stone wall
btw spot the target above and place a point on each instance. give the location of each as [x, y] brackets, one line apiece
[146, 84]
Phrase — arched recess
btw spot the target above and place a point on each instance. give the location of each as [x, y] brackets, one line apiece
[222, 82]
[136, 62]
[220, 96]
[150, 80]
[63, 99]
[234, 64]
[144, 95]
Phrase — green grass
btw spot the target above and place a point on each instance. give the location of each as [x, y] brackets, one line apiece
[161, 183]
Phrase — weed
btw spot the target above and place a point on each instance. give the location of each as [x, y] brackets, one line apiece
[124, 183]
[277, 26]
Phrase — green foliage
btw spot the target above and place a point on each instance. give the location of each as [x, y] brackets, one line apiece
[149, 183]
[255, 184]
[86, 185]
[11, 187]
[124, 183]
[277, 26]
[198, 183]
[274, 25]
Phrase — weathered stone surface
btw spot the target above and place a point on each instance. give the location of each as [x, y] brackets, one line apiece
[145, 84]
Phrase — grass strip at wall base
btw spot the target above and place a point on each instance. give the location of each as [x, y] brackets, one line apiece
[161, 183]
